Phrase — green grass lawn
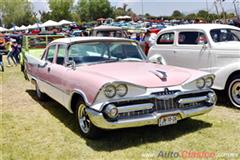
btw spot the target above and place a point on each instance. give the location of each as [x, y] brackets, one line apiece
[33, 130]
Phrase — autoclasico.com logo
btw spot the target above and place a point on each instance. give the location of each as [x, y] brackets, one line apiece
[190, 154]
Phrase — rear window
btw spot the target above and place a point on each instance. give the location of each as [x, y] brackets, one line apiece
[223, 35]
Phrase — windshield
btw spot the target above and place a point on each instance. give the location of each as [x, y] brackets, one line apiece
[225, 35]
[98, 52]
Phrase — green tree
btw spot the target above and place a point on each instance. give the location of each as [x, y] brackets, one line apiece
[177, 14]
[212, 17]
[230, 15]
[122, 11]
[90, 10]
[202, 14]
[191, 16]
[16, 12]
[60, 9]
[45, 16]
[119, 12]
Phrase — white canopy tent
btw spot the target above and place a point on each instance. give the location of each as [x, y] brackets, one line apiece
[34, 26]
[15, 28]
[22, 28]
[123, 17]
[3, 29]
[50, 23]
[64, 22]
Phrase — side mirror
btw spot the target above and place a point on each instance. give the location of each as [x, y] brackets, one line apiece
[42, 65]
[157, 59]
[71, 64]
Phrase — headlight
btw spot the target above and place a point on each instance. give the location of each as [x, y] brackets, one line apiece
[110, 91]
[111, 111]
[209, 82]
[122, 90]
[200, 83]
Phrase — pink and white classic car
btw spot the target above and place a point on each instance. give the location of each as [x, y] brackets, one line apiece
[108, 84]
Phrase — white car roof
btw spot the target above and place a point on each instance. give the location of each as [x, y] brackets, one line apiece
[85, 39]
[206, 27]
[105, 27]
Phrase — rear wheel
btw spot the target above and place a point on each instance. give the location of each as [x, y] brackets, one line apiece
[86, 127]
[234, 90]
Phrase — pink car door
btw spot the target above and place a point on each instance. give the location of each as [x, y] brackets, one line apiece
[56, 74]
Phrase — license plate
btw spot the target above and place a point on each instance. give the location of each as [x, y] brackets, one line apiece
[167, 120]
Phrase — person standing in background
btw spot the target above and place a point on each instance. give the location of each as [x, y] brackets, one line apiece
[10, 52]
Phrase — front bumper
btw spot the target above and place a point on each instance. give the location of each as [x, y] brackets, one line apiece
[148, 110]
[98, 119]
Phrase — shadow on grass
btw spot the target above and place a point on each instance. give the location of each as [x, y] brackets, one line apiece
[222, 100]
[124, 138]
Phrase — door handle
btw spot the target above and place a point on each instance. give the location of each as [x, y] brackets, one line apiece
[49, 69]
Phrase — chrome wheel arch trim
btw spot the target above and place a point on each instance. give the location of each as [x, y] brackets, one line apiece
[80, 93]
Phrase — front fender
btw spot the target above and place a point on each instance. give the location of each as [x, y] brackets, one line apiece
[223, 74]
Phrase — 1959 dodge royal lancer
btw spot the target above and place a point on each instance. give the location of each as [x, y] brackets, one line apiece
[108, 84]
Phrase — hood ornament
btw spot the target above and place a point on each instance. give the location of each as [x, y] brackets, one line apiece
[160, 74]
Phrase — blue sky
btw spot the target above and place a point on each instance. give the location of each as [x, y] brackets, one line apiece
[157, 7]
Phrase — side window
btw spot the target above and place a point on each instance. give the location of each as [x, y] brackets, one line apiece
[192, 38]
[51, 52]
[61, 54]
[166, 38]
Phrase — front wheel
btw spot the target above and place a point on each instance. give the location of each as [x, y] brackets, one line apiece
[234, 90]
[86, 127]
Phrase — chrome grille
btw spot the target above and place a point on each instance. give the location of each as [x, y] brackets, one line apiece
[135, 114]
[163, 103]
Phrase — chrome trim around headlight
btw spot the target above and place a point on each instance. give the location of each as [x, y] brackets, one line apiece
[107, 88]
[198, 83]
[118, 90]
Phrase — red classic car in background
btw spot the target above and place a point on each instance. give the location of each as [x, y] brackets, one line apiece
[108, 84]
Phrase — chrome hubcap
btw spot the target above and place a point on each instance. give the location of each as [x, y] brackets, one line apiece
[236, 92]
[83, 119]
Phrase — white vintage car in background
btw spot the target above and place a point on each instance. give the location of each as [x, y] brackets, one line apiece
[214, 48]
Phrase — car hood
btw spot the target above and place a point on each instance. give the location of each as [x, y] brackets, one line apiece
[144, 74]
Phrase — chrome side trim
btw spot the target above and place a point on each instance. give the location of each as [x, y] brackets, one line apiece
[193, 100]
[135, 107]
